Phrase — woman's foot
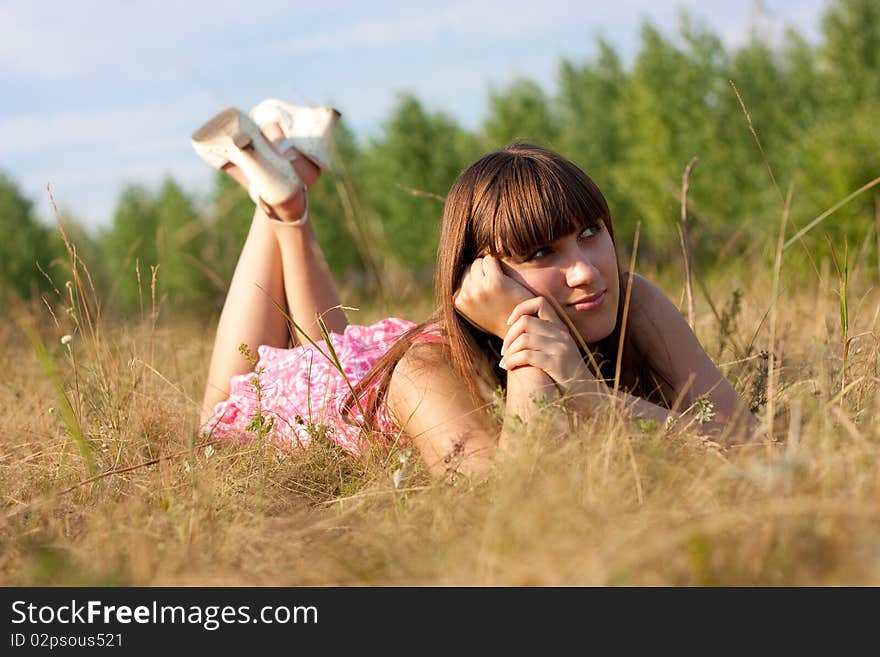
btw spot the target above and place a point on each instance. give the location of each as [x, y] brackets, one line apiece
[293, 209]
[276, 165]
[308, 129]
[230, 137]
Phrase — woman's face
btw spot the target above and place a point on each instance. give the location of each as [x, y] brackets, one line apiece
[580, 272]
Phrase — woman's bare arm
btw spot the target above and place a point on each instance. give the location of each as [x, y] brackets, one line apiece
[451, 432]
[432, 407]
[664, 337]
[538, 338]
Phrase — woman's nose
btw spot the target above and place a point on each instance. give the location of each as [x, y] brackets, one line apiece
[581, 271]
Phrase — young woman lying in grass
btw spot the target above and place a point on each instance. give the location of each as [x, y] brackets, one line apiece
[531, 300]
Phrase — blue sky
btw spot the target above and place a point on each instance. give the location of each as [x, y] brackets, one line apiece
[95, 94]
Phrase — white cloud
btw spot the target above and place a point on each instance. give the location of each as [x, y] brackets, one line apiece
[32, 134]
[54, 40]
[769, 23]
[489, 19]
[25, 48]
[183, 61]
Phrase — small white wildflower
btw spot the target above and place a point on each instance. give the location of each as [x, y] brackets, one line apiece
[209, 451]
[404, 470]
[66, 339]
[705, 410]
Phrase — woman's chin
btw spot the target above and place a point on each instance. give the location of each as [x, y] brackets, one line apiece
[594, 329]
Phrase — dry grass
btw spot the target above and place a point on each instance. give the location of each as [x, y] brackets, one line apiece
[600, 503]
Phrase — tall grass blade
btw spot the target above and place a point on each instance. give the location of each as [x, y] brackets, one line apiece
[757, 141]
[684, 236]
[774, 314]
[626, 302]
[803, 231]
[67, 413]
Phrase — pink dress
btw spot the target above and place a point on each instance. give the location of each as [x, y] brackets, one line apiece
[301, 391]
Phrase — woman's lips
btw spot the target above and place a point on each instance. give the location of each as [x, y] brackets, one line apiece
[591, 302]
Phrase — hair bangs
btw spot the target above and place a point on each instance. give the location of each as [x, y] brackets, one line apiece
[534, 199]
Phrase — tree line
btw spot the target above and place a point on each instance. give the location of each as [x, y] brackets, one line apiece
[633, 128]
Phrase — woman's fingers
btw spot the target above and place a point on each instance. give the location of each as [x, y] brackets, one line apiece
[486, 295]
[538, 306]
[536, 334]
[468, 284]
[541, 343]
[466, 281]
[537, 328]
[491, 266]
[524, 341]
[526, 358]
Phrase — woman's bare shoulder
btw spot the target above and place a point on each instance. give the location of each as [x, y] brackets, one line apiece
[424, 365]
[422, 356]
[645, 293]
[658, 327]
[428, 402]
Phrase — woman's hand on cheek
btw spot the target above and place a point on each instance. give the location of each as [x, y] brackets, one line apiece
[487, 296]
[537, 337]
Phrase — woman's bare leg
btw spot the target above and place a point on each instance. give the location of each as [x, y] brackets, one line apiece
[308, 284]
[281, 269]
[250, 313]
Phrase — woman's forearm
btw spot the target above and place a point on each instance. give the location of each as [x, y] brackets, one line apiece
[595, 396]
[526, 386]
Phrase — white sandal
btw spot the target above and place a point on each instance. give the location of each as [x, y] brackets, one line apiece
[308, 129]
[232, 137]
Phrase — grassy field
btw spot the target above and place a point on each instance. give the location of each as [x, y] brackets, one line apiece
[116, 492]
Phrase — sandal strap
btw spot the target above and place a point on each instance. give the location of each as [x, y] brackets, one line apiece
[284, 145]
[304, 219]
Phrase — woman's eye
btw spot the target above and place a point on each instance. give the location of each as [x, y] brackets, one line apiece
[539, 253]
[589, 231]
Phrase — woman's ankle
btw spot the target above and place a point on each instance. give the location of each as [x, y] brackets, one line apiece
[292, 210]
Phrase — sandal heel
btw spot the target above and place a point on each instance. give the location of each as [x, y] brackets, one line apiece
[243, 140]
[231, 136]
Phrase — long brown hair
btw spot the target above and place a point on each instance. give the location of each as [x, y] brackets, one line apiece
[507, 203]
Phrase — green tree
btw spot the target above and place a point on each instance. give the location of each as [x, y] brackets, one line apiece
[228, 219]
[25, 243]
[851, 51]
[590, 104]
[90, 260]
[521, 112]
[180, 239]
[419, 153]
[129, 247]
[338, 213]
[654, 110]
